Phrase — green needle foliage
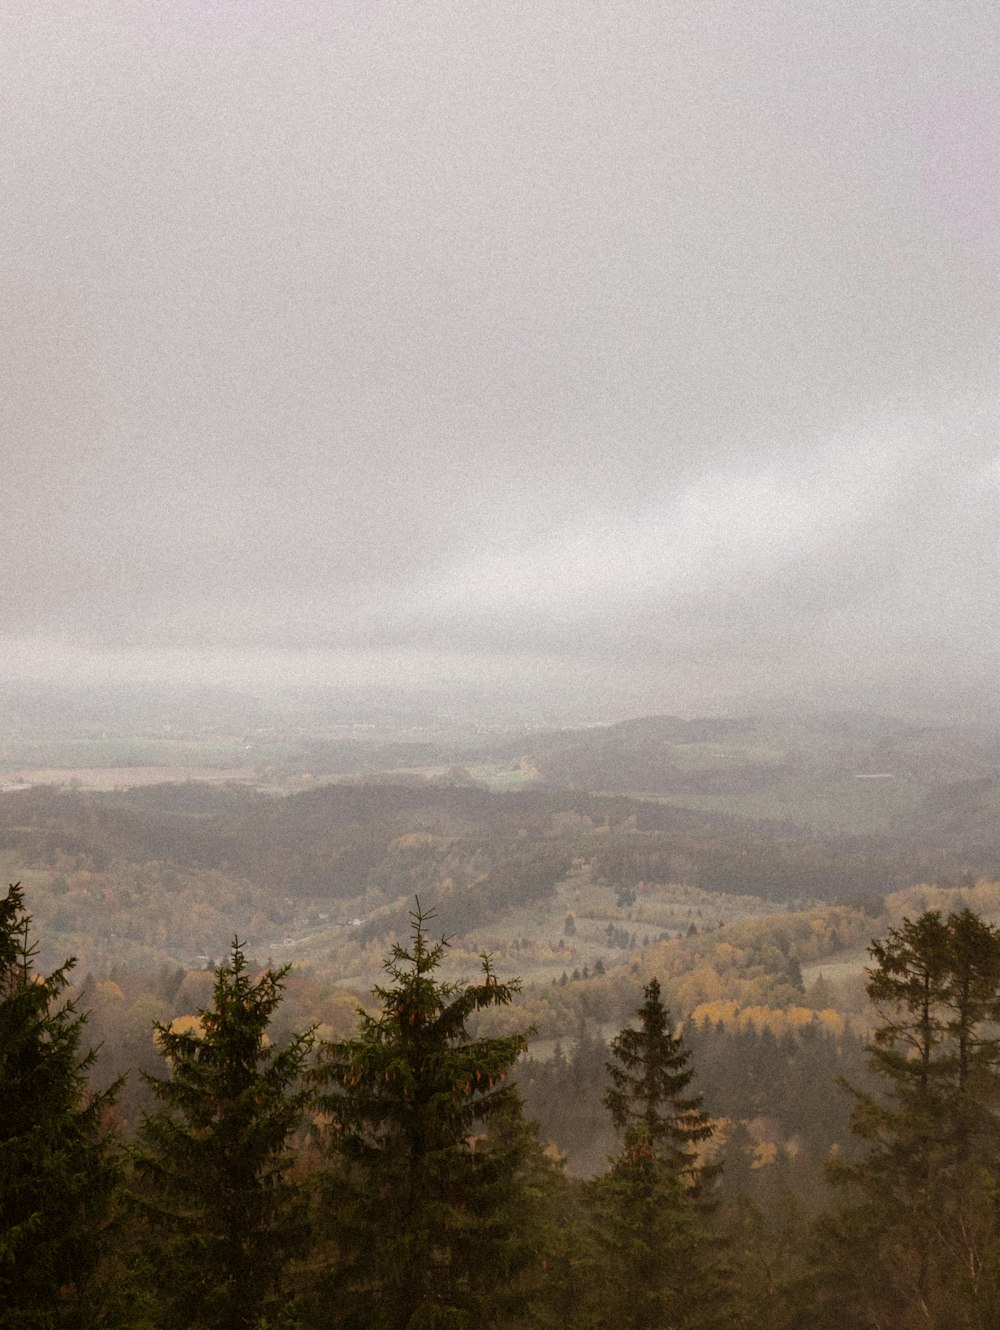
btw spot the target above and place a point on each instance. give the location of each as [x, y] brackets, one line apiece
[918, 1233]
[417, 1209]
[522, 1236]
[656, 1268]
[58, 1160]
[649, 1101]
[224, 1218]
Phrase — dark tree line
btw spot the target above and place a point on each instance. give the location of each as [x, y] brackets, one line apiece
[392, 1180]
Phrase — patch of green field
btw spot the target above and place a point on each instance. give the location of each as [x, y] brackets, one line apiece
[139, 752]
[497, 777]
[833, 969]
[725, 756]
[10, 871]
[850, 805]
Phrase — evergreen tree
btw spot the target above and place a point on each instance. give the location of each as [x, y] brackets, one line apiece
[522, 1230]
[917, 1234]
[657, 1268]
[213, 1165]
[423, 1237]
[649, 1102]
[58, 1160]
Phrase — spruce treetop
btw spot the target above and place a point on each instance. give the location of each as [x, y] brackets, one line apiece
[214, 1163]
[648, 1100]
[415, 1062]
[421, 1217]
[58, 1159]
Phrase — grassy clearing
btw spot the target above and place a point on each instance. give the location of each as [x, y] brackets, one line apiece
[533, 941]
[502, 778]
[105, 779]
[849, 806]
[96, 753]
[726, 756]
[852, 965]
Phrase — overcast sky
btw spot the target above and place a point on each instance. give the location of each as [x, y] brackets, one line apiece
[652, 344]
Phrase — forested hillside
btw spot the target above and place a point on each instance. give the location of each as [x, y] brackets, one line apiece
[167, 872]
[752, 932]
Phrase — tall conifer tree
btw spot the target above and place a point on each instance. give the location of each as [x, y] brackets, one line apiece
[213, 1164]
[915, 1240]
[657, 1266]
[58, 1158]
[422, 1219]
[649, 1101]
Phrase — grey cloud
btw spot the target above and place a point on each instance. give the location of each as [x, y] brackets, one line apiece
[524, 332]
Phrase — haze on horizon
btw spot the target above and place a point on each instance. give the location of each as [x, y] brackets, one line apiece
[613, 347]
